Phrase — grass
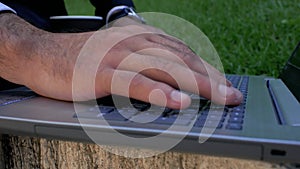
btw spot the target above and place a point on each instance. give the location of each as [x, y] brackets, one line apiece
[252, 37]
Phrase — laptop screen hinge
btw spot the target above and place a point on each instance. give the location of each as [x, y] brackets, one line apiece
[286, 105]
[276, 105]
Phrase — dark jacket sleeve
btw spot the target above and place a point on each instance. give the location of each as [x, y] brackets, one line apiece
[37, 12]
[103, 6]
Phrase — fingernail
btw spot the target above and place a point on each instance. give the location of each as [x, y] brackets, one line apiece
[238, 96]
[225, 91]
[177, 96]
[228, 83]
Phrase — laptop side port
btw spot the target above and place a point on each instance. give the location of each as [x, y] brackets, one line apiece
[277, 152]
[280, 153]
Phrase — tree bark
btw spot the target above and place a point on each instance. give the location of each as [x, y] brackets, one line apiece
[35, 153]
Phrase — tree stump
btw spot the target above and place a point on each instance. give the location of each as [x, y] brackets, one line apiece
[36, 153]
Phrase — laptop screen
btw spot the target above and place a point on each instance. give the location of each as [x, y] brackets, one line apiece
[290, 74]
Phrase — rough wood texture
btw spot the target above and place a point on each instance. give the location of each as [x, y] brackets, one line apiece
[31, 153]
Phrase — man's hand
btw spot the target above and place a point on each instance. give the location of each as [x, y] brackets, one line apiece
[136, 61]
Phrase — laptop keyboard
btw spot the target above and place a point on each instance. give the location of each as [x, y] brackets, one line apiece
[15, 95]
[203, 114]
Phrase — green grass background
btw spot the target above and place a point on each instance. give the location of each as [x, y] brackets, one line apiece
[252, 37]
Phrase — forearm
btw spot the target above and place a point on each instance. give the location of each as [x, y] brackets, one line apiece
[18, 47]
[40, 60]
[26, 50]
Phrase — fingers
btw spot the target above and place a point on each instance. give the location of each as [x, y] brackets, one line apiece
[137, 86]
[154, 80]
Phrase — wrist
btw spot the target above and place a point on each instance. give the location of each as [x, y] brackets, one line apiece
[124, 21]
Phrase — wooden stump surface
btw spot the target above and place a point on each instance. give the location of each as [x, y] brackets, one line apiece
[36, 153]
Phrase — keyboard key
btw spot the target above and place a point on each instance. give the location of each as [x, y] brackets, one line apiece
[234, 126]
[88, 114]
[143, 118]
[235, 120]
[140, 105]
[218, 113]
[237, 114]
[212, 117]
[94, 112]
[127, 113]
[209, 124]
[164, 120]
[166, 112]
[114, 116]
[240, 108]
[106, 109]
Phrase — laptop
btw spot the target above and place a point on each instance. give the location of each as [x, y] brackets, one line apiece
[264, 127]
